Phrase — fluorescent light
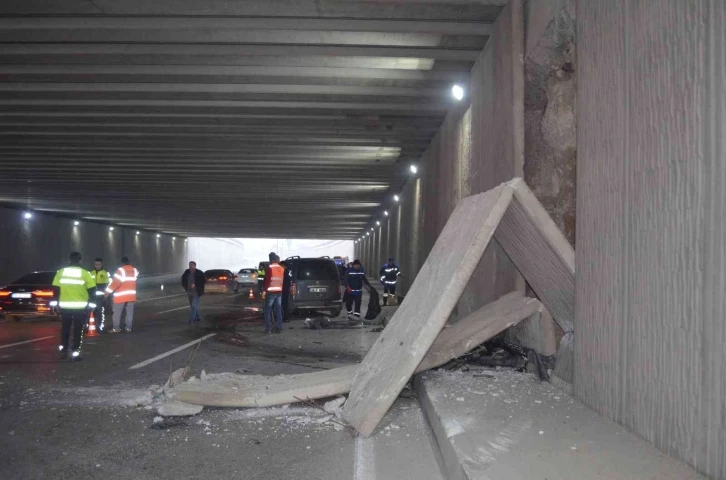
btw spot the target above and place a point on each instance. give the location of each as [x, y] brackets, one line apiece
[27, 215]
[368, 233]
[110, 229]
[173, 238]
[396, 198]
[158, 235]
[76, 223]
[385, 212]
[414, 169]
[378, 223]
[138, 233]
[186, 239]
[458, 92]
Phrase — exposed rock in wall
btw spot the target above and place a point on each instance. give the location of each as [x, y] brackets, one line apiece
[550, 124]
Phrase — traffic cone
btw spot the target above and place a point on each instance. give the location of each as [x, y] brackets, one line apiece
[92, 332]
[252, 294]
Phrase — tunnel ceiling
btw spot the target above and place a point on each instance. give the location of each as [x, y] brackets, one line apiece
[261, 118]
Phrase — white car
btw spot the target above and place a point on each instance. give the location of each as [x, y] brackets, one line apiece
[247, 277]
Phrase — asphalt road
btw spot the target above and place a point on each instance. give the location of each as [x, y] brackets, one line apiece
[73, 420]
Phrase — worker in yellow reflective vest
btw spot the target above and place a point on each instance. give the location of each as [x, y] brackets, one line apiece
[100, 275]
[75, 298]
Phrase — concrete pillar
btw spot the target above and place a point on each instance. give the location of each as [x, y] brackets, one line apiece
[650, 336]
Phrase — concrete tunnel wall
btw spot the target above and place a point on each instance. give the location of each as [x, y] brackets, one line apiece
[650, 336]
[45, 241]
[517, 120]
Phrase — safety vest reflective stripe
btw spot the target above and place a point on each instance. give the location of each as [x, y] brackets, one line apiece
[123, 285]
[390, 282]
[74, 283]
[68, 304]
[277, 273]
[126, 292]
[98, 292]
[356, 273]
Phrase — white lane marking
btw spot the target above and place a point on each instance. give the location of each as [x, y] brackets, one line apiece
[170, 352]
[201, 306]
[173, 310]
[160, 298]
[365, 461]
[27, 341]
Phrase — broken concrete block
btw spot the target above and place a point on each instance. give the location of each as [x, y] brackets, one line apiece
[414, 327]
[179, 409]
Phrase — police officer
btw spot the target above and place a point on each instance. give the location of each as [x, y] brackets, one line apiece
[101, 277]
[355, 278]
[77, 294]
[389, 277]
[261, 276]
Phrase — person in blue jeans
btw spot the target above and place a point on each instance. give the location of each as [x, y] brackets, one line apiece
[193, 283]
[274, 276]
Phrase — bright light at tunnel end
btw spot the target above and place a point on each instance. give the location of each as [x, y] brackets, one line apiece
[457, 92]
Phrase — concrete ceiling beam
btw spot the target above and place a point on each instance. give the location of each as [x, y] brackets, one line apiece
[173, 88]
[244, 23]
[82, 49]
[455, 10]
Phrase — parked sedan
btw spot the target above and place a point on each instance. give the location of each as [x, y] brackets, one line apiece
[219, 281]
[247, 277]
[29, 296]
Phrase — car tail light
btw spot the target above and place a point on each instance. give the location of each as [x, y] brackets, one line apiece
[222, 278]
[43, 309]
[293, 289]
[43, 293]
[4, 293]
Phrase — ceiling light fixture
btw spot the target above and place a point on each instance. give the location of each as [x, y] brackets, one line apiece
[158, 235]
[27, 215]
[396, 198]
[414, 169]
[138, 233]
[110, 229]
[385, 212]
[458, 92]
[76, 223]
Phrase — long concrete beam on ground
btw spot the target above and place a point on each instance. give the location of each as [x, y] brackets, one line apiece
[232, 390]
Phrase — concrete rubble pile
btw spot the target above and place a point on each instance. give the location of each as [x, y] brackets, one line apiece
[417, 337]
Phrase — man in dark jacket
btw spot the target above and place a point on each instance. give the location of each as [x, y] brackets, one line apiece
[193, 283]
[355, 278]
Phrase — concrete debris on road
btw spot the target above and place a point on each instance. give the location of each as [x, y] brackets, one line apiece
[417, 337]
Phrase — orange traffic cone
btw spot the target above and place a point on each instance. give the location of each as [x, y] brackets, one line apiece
[252, 294]
[92, 331]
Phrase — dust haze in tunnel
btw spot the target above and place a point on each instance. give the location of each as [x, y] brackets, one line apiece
[236, 253]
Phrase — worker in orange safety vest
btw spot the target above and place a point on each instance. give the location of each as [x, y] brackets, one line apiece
[274, 276]
[123, 289]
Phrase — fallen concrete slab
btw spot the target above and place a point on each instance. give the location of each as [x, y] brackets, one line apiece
[508, 425]
[234, 390]
[413, 329]
[475, 329]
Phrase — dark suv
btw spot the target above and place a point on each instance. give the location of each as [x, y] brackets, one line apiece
[311, 284]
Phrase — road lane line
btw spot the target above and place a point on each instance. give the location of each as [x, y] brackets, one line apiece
[187, 306]
[27, 341]
[170, 352]
[172, 310]
[160, 298]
